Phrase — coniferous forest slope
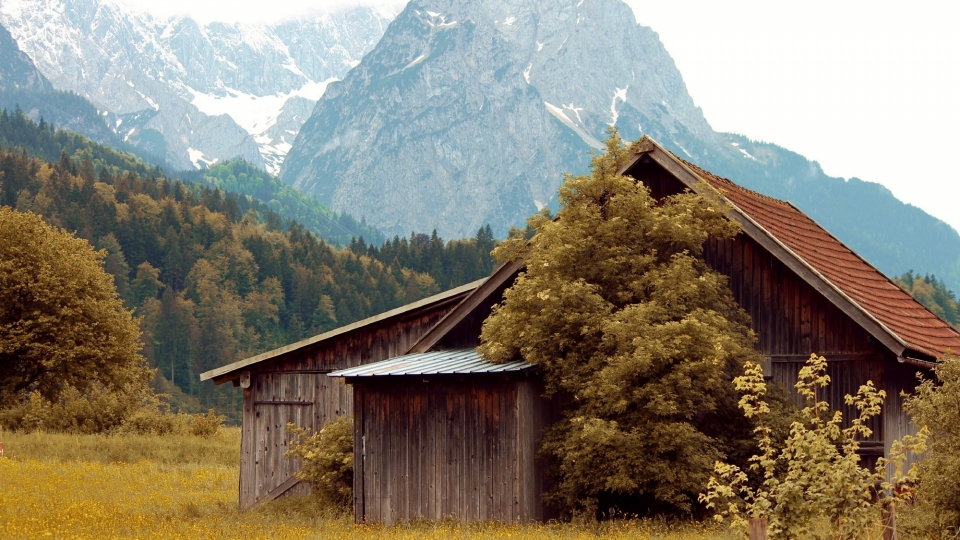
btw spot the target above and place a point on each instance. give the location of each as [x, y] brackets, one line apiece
[215, 276]
[468, 113]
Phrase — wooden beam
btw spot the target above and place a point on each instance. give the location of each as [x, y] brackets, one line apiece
[757, 528]
[800, 358]
[784, 254]
[283, 403]
[433, 336]
[285, 486]
[230, 372]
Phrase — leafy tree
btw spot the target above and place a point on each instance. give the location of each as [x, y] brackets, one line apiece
[636, 337]
[62, 323]
[935, 406]
[824, 492]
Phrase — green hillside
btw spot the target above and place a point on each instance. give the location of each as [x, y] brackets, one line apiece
[215, 276]
[238, 176]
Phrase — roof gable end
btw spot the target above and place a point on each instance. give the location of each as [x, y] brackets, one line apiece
[862, 292]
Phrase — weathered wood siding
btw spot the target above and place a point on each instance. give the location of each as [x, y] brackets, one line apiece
[295, 388]
[448, 447]
[792, 320]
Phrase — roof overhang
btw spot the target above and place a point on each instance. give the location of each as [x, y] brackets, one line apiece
[449, 362]
[233, 371]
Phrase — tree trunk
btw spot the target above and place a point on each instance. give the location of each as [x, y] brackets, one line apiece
[758, 528]
[889, 519]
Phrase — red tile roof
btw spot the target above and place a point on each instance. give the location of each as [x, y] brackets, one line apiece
[908, 319]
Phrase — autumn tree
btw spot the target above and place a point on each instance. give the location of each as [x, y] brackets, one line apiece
[636, 337]
[62, 323]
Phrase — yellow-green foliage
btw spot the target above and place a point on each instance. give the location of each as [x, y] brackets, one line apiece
[327, 461]
[633, 332]
[936, 406]
[81, 486]
[100, 410]
[62, 324]
[824, 493]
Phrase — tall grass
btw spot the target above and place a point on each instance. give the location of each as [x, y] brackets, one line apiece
[137, 486]
[221, 449]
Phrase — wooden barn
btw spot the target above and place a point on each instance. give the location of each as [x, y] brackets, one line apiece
[441, 433]
[290, 384]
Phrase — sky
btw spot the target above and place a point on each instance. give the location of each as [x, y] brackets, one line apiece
[868, 89]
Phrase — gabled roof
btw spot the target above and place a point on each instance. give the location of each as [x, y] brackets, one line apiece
[862, 292]
[450, 362]
[232, 371]
[885, 310]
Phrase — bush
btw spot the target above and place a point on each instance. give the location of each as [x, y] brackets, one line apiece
[101, 410]
[936, 406]
[152, 421]
[327, 458]
[823, 492]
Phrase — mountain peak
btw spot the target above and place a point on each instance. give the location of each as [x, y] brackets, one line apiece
[478, 108]
[189, 91]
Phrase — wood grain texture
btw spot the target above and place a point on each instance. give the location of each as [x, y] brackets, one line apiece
[295, 389]
[449, 448]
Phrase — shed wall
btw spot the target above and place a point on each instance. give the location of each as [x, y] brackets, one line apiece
[448, 448]
[294, 388]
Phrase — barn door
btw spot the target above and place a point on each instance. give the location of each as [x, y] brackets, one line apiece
[279, 399]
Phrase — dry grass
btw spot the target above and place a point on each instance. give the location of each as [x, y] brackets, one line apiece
[222, 449]
[63, 486]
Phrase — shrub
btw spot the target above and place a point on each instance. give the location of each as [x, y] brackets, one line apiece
[327, 458]
[96, 411]
[100, 410]
[936, 406]
[824, 491]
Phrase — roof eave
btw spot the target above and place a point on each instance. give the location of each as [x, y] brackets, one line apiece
[893, 342]
[232, 371]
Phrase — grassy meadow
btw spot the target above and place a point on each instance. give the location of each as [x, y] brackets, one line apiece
[136, 486]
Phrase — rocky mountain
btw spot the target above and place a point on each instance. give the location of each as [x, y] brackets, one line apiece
[193, 94]
[22, 85]
[468, 113]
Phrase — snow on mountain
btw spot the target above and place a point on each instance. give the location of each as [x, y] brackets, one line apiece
[472, 111]
[194, 94]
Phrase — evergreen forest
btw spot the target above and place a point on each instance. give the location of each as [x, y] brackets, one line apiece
[215, 276]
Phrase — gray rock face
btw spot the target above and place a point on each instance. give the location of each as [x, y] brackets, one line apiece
[192, 94]
[17, 71]
[469, 113]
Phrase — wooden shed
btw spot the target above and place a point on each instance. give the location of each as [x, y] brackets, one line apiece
[290, 384]
[441, 433]
[447, 435]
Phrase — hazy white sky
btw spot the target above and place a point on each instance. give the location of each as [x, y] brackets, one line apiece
[866, 88]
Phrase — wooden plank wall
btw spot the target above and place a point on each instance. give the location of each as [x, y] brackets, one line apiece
[296, 389]
[447, 447]
[896, 421]
[791, 319]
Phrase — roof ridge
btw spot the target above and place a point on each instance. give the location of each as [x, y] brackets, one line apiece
[701, 170]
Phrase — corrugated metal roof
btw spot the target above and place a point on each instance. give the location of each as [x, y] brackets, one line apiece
[452, 362]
